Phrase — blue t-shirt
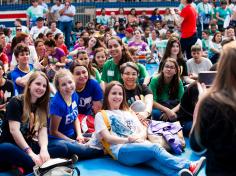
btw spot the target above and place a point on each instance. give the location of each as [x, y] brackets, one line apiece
[91, 92]
[68, 114]
[16, 73]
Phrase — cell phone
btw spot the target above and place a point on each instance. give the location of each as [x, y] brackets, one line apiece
[207, 77]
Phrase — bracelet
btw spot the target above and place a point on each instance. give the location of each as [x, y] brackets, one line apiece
[26, 149]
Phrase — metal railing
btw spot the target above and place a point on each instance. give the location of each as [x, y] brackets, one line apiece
[16, 2]
[85, 14]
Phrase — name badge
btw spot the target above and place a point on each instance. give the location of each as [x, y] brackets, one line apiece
[74, 105]
[110, 73]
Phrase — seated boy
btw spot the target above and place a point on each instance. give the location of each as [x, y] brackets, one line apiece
[197, 63]
[23, 70]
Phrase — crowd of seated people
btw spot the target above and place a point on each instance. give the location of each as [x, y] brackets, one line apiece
[58, 99]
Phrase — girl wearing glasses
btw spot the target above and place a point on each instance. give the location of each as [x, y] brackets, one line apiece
[135, 91]
[173, 50]
[168, 90]
[120, 55]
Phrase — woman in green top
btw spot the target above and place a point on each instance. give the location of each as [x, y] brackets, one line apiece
[83, 59]
[168, 90]
[120, 55]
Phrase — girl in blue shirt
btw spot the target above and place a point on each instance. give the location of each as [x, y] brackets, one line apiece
[65, 126]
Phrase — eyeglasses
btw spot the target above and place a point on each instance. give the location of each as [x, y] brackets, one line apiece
[18, 29]
[170, 67]
[130, 74]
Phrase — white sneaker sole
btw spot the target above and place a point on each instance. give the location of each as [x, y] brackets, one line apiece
[185, 172]
[201, 163]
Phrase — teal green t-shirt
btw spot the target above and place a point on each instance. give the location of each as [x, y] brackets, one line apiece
[143, 73]
[111, 72]
[97, 76]
[223, 13]
[164, 96]
[35, 12]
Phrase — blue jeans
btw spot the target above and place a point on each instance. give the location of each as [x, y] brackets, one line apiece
[187, 125]
[81, 150]
[156, 114]
[12, 155]
[66, 28]
[152, 155]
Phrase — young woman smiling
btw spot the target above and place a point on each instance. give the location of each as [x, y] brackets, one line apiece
[83, 59]
[135, 91]
[26, 117]
[89, 91]
[168, 90]
[65, 126]
[120, 55]
[173, 50]
[127, 137]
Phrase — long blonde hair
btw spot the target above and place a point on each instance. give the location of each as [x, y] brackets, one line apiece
[41, 113]
[223, 90]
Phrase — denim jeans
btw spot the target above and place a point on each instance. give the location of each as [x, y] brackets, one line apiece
[81, 150]
[12, 155]
[156, 114]
[152, 155]
[187, 125]
[66, 28]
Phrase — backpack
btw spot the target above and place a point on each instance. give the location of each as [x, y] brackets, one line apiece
[86, 123]
[58, 167]
[105, 144]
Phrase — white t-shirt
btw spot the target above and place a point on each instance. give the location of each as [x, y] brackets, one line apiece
[55, 11]
[195, 68]
[35, 31]
[65, 18]
[32, 57]
[123, 124]
[55, 32]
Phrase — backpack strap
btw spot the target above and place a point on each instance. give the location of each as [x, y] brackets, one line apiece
[105, 119]
[105, 144]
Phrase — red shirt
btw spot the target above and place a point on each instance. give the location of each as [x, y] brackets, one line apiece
[188, 26]
[4, 58]
[64, 48]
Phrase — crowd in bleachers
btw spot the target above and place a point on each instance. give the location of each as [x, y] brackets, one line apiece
[71, 88]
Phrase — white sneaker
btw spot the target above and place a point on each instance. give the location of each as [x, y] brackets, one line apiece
[196, 166]
[185, 172]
